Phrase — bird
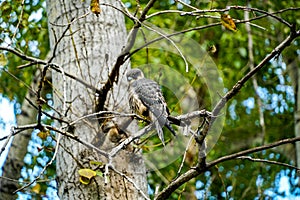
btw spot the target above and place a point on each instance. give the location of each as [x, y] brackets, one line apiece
[146, 100]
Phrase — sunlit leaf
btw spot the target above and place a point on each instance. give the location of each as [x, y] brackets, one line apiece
[6, 8]
[99, 173]
[3, 60]
[86, 175]
[43, 134]
[95, 7]
[36, 189]
[98, 163]
[228, 22]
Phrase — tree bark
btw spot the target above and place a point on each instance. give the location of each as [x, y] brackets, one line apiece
[295, 74]
[88, 50]
[18, 149]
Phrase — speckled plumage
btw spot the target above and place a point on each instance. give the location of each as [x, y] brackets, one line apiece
[146, 99]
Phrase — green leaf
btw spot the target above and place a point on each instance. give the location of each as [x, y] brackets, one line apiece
[3, 60]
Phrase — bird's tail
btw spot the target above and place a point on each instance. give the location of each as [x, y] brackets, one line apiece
[168, 125]
[160, 120]
[160, 132]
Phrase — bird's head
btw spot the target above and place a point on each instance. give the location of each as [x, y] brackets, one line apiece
[134, 74]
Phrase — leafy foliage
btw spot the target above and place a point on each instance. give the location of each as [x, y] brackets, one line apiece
[242, 130]
[24, 27]
[235, 179]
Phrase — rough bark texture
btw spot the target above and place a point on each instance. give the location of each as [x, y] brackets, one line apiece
[88, 51]
[18, 149]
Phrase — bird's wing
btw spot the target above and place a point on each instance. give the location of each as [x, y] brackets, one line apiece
[151, 96]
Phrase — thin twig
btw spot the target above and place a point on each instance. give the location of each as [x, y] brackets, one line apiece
[19, 20]
[173, 43]
[25, 84]
[184, 155]
[22, 182]
[114, 74]
[193, 172]
[46, 166]
[72, 22]
[236, 88]
[89, 86]
[52, 66]
[124, 11]
[7, 140]
[126, 142]
[230, 94]
[267, 161]
[187, 5]
[19, 129]
[23, 56]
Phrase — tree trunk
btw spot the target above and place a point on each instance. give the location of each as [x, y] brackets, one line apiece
[88, 51]
[18, 149]
[295, 74]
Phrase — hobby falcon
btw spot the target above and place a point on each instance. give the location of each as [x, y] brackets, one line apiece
[146, 100]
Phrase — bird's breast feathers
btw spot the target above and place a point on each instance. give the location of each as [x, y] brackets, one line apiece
[137, 105]
[146, 96]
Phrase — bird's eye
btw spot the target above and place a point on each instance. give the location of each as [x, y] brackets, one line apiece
[129, 78]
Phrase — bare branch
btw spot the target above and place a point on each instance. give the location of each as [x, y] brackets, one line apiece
[196, 12]
[45, 167]
[114, 74]
[264, 12]
[89, 86]
[34, 61]
[19, 20]
[267, 161]
[126, 142]
[184, 155]
[19, 129]
[193, 172]
[205, 26]
[87, 144]
[164, 12]
[23, 56]
[236, 88]
[195, 114]
[187, 5]
[7, 140]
